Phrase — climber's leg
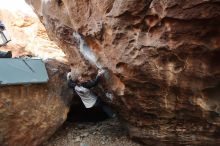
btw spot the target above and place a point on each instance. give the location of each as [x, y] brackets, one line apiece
[108, 111]
[105, 108]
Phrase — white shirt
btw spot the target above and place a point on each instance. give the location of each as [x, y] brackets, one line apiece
[88, 98]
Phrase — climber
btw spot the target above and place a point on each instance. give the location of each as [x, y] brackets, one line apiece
[3, 41]
[88, 98]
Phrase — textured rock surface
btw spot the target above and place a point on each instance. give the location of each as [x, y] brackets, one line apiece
[165, 52]
[30, 114]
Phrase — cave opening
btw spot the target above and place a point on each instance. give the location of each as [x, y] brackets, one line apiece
[79, 113]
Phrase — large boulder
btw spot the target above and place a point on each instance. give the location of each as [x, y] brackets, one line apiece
[164, 55]
[30, 114]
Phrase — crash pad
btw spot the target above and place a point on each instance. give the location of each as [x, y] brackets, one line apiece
[22, 71]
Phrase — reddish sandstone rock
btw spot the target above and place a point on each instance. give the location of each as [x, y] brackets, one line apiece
[30, 114]
[166, 54]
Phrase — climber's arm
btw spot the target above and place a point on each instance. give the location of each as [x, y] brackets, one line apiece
[92, 83]
[71, 84]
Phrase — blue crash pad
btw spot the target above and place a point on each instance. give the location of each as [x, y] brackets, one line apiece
[22, 71]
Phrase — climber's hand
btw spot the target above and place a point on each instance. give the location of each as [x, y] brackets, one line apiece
[101, 72]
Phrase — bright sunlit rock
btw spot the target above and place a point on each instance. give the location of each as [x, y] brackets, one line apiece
[16, 5]
[28, 35]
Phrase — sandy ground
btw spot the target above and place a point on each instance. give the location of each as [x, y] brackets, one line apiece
[108, 133]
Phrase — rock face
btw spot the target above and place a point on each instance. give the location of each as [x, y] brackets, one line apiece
[30, 114]
[164, 55]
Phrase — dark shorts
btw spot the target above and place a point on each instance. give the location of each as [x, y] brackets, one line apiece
[98, 102]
